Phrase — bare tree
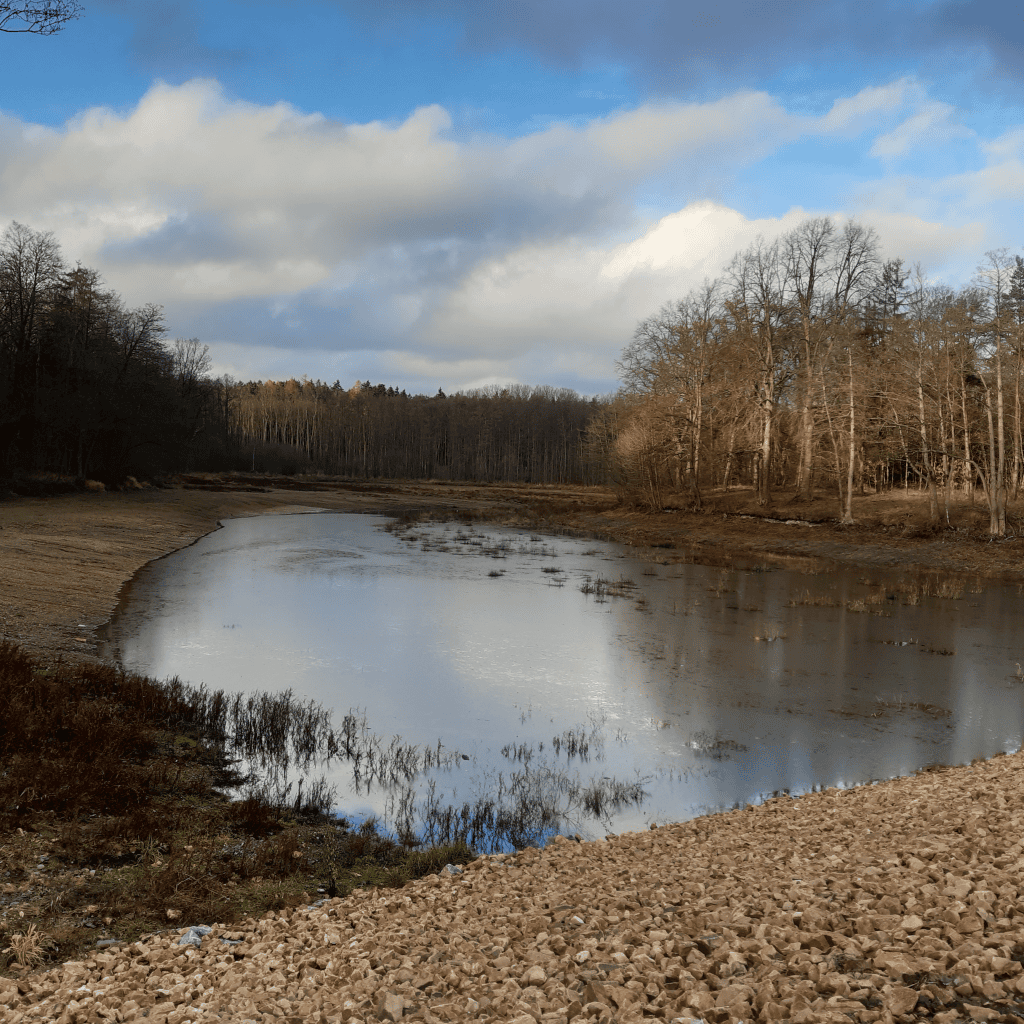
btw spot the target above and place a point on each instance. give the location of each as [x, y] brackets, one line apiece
[41, 19]
[671, 359]
[827, 272]
[995, 278]
[764, 323]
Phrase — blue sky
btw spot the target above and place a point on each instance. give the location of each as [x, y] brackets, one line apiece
[456, 192]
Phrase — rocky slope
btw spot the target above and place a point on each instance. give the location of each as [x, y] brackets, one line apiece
[901, 901]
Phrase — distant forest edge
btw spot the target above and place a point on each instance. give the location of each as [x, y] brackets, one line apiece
[810, 364]
[91, 388]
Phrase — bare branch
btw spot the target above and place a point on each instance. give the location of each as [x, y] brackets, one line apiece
[45, 18]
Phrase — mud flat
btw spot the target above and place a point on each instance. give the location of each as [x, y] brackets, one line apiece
[64, 559]
[896, 901]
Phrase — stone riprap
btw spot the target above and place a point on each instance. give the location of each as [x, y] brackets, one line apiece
[901, 901]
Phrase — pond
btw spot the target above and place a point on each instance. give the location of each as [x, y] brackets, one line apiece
[616, 690]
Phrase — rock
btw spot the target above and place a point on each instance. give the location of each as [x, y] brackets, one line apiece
[742, 936]
[534, 976]
[391, 1006]
[980, 1012]
[900, 1000]
[451, 869]
[958, 888]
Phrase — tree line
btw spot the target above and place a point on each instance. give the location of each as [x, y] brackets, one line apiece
[88, 385]
[513, 433]
[812, 363]
[91, 388]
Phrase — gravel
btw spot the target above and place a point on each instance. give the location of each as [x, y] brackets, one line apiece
[898, 901]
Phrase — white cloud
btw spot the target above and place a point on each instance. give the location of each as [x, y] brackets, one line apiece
[932, 244]
[931, 125]
[589, 295]
[268, 230]
[851, 115]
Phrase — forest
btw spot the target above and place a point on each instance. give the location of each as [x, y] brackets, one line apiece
[91, 388]
[810, 365]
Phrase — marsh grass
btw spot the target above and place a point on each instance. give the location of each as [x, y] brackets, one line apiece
[573, 743]
[807, 599]
[415, 530]
[115, 817]
[706, 744]
[522, 808]
[602, 588]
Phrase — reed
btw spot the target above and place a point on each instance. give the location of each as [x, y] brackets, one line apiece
[604, 588]
[115, 819]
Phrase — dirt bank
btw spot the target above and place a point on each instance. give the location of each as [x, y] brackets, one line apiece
[899, 901]
[903, 900]
[64, 559]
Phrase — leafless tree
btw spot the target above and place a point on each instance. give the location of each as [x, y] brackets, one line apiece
[43, 19]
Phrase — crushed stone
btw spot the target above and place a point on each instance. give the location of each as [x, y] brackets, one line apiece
[899, 901]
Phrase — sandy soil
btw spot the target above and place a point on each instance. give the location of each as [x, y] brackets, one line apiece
[63, 560]
[899, 901]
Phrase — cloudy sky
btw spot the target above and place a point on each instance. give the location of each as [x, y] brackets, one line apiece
[463, 192]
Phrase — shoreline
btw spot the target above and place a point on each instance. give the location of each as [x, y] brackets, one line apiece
[65, 559]
[899, 900]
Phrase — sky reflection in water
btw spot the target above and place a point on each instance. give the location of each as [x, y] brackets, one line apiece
[414, 629]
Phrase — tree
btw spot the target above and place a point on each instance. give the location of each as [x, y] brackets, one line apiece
[43, 19]
[827, 273]
[764, 322]
[673, 359]
[30, 266]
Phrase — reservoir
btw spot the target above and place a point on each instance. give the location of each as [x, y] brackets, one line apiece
[623, 689]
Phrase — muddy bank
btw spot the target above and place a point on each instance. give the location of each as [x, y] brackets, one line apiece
[64, 559]
[898, 901]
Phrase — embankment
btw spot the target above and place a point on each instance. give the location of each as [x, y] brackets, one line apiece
[901, 901]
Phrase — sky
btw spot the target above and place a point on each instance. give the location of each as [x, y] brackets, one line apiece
[460, 193]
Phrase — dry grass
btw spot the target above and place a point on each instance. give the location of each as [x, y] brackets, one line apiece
[26, 949]
[114, 818]
[602, 588]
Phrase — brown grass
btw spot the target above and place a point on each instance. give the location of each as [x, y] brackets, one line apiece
[114, 820]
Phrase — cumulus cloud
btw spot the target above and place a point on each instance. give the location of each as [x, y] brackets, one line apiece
[402, 245]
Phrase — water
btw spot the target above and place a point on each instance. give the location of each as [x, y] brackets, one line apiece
[709, 688]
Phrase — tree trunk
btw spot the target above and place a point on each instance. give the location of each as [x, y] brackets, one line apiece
[764, 495]
[848, 510]
[929, 478]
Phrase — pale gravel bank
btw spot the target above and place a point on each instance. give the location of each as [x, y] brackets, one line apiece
[901, 900]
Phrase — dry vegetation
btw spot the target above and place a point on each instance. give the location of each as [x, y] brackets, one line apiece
[894, 902]
[114, 823]
[114, 819]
